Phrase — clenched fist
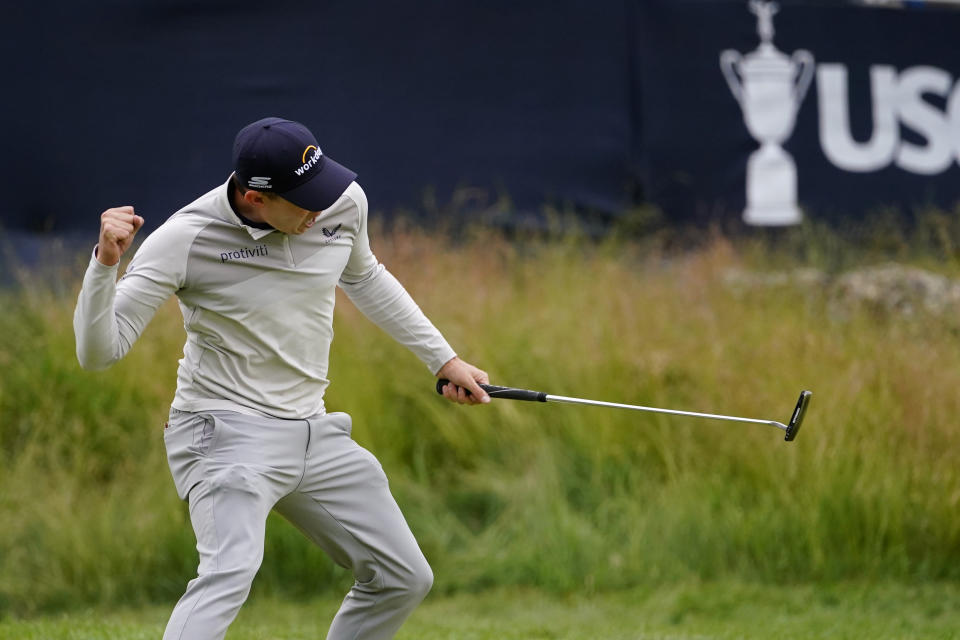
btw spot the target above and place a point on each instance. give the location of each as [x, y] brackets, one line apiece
[117, 228]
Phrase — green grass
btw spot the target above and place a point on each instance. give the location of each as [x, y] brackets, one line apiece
[568, 500]
[678, 612]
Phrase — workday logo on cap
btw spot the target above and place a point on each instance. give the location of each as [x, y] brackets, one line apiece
[282, 156]
[307, 164]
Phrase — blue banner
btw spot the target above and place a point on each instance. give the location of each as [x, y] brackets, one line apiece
[493, 110]
[469, 106]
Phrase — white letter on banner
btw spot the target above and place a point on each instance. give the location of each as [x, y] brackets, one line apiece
[835, 138]
[953, 114]
[925, 119]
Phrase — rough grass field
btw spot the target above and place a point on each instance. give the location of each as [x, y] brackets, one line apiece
[719, 611]
[572, 501]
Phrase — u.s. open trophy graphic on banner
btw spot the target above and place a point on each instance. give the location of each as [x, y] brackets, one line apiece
[769, 85]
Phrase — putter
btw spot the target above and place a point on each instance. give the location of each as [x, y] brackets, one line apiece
[511, 393]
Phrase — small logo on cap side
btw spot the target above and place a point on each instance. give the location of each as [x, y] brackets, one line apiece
[259, 182]
[307, 164]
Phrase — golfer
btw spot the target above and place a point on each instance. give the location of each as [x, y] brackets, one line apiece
[254, 264]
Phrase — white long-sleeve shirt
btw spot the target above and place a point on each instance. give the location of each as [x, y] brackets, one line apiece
[257, 305]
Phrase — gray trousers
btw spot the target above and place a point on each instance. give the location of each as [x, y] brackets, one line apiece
[234, 468]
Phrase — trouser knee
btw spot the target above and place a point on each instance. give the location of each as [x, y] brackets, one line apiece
[417, 583]
[232, 586]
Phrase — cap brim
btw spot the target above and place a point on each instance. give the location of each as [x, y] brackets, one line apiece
[324, 188]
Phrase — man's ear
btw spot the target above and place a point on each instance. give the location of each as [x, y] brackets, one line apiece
[254, 198]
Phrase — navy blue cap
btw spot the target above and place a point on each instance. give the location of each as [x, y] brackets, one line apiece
[281, 156]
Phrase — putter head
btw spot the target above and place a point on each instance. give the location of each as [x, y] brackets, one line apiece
[794, 426]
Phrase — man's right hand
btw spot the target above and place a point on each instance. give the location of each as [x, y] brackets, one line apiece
[118, 226]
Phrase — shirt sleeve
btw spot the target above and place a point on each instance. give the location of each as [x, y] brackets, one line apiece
[111, 315]
[381, 297]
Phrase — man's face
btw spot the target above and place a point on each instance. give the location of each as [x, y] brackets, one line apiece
[287, 217]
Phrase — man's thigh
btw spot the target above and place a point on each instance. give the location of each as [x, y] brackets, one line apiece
[345, 506]
[232, 468]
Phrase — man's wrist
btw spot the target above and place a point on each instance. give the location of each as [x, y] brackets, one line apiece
[439, 372]
[96, 254]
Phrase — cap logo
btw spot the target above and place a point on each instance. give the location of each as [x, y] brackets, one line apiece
[259, 182]
[308, 162]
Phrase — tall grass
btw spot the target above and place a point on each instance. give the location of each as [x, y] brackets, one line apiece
[557, 496]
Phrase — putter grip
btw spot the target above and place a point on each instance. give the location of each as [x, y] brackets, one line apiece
[506, 393]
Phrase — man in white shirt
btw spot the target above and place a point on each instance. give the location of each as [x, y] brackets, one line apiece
[254, 264]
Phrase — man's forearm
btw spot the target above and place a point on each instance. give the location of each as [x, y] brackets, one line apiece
[94, 320]
[383, 299]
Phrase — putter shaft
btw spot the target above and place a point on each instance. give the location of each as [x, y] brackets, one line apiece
[634, 407]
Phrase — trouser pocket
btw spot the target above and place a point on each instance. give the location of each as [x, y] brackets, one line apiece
[341, 421]
[189, 438]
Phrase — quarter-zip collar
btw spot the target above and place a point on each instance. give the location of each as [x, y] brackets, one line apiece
[226, 209]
